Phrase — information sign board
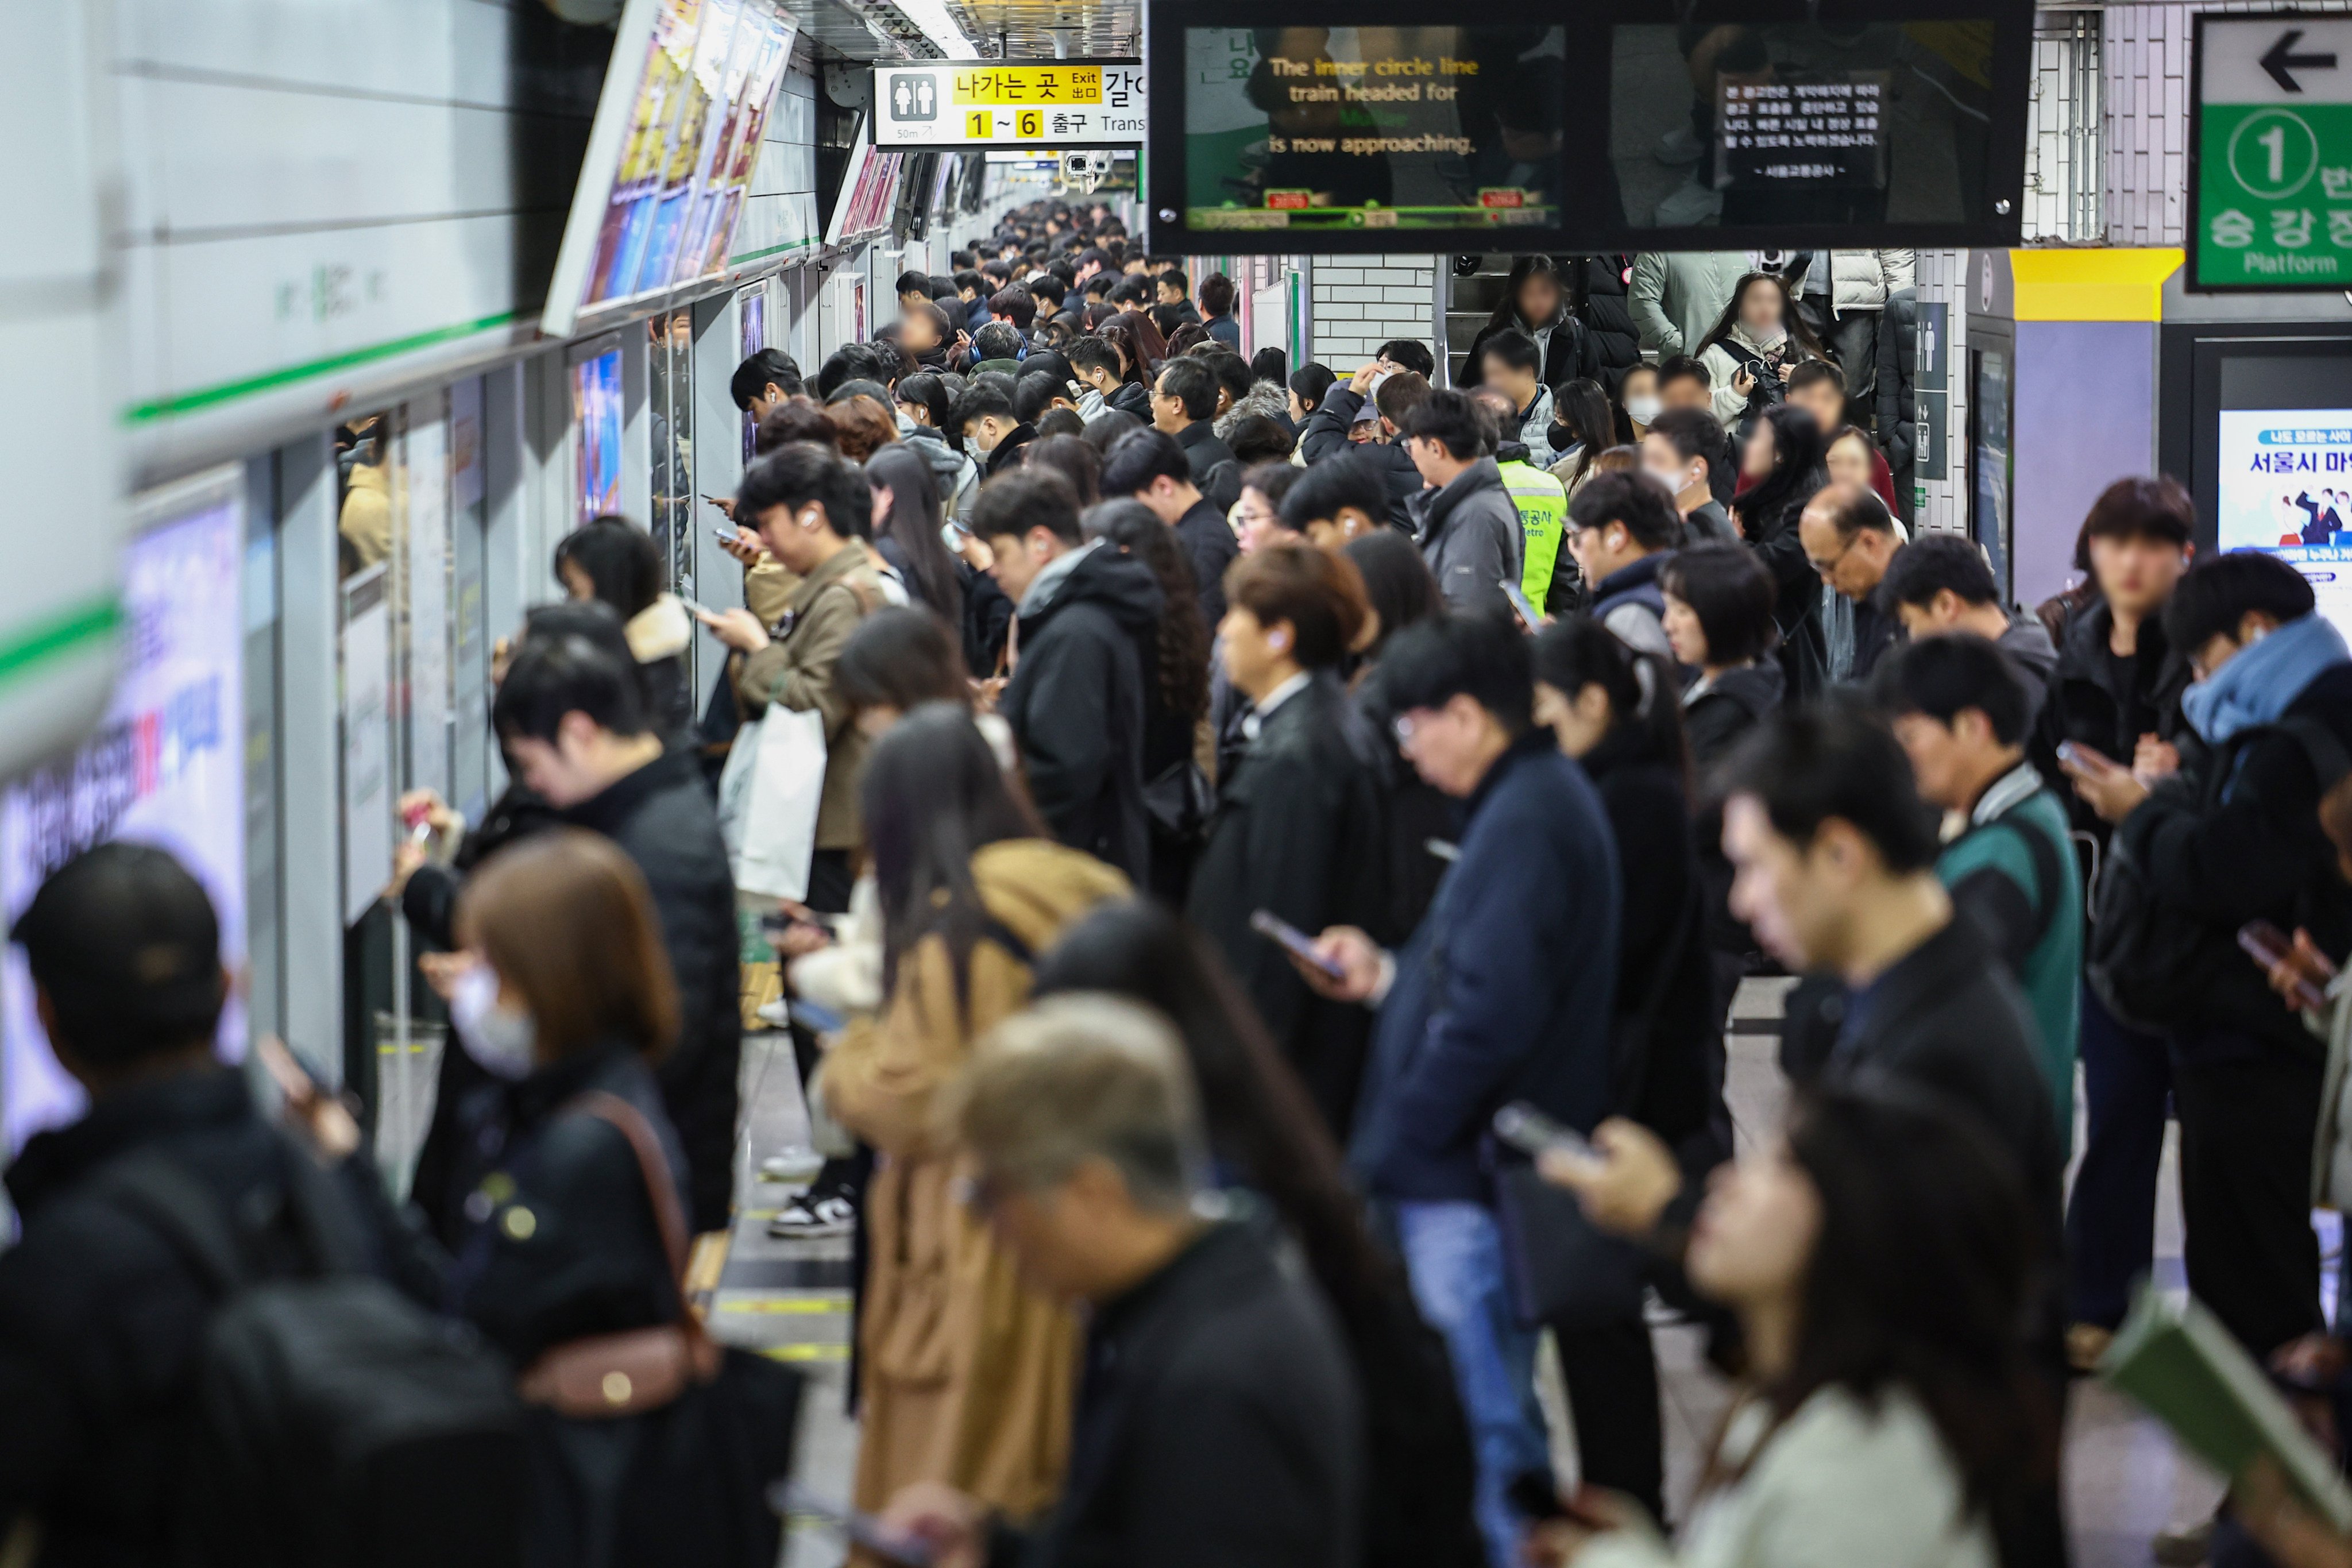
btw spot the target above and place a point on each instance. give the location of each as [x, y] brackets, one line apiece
[2269, 159]
[980, 103]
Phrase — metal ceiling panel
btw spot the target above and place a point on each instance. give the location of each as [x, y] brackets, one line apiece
[1013, 29]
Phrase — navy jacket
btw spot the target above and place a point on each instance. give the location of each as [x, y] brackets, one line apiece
[1505, 990]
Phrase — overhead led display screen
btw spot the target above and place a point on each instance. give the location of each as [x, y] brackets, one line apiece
[671, 158]
[1605, 125]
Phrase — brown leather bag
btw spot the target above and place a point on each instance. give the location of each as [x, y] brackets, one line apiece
[604, 1376]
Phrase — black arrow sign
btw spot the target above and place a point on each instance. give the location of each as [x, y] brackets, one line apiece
[2282, 59]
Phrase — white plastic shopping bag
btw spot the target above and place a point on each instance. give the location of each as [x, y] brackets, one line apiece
[768, 814]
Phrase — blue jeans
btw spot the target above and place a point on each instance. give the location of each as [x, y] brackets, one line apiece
[1454, 1258]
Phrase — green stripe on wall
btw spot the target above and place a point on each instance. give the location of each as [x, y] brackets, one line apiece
[29, 649]
[228, 391]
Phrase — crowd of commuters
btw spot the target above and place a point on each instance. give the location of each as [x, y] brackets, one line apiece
[1238, 784]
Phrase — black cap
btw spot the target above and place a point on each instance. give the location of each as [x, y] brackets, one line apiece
[127, 945]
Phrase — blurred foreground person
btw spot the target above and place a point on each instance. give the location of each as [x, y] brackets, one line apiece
[1877, 1258]
[1218, 1420]
[1263, 1136]
[968, 1371]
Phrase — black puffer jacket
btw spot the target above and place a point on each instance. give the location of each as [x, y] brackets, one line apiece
[1075, 705]
[1898, 399]
[1603, 287]
[1301, 829]
[663, 818]
[100, 1316]
[1567, 351]
[1717, 718]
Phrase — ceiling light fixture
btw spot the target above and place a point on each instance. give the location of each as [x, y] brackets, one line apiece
[940, 26]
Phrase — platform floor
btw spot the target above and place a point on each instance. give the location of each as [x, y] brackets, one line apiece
[2124, 1479]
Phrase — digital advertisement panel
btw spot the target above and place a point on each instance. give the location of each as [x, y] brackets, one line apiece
[165, 768]
[2286, 487]
[673, 151]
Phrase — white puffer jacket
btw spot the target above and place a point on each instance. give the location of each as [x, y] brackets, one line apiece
[1862, 279]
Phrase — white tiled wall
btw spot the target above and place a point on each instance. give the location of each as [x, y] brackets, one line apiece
[2146, 66]
[1361, 301]
[1943, 275]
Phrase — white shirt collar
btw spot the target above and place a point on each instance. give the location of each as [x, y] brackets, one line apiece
[1257, 716]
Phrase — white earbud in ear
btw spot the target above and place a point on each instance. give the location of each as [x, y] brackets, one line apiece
[1279, 641]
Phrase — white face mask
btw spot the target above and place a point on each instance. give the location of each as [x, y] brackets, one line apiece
[1641, 411]
[499, 1039]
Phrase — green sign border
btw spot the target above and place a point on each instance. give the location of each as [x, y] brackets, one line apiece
[2194, 228]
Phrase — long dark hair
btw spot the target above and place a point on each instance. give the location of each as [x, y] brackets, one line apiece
[1797, 471]
[1261, 1124]
[913, 526]
[1583, 407]
[1507, 313]
[1918, 1279]
[1646, 722]
[933, 797]
[1397, 582]
[1794, 324]
[1134, 529]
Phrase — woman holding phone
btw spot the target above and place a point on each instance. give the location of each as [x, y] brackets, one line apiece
[1876, 1258]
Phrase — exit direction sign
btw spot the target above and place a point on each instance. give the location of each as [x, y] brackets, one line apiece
[2270, 153]
[1060, 104]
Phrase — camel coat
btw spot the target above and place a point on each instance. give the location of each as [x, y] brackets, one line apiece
[969, 1375]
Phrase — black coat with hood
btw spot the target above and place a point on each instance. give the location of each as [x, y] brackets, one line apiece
[1301, 829]
[1568, 349]
[1324, 435]
[1076, 703]
[1771, 528]
[662, 817]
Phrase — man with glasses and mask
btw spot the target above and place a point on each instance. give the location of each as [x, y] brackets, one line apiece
[1503, 993]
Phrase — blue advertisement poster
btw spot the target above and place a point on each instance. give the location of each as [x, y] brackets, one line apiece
[2286, 487]
[166, 767]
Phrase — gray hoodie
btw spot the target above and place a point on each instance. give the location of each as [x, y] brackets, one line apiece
[957, 476]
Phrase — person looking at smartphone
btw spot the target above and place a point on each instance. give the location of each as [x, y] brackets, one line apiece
[1504, 991]
[1220, 1420]
[1299, 821]
[2236, 839]
[1878, 1254]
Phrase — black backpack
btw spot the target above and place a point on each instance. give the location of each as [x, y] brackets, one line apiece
[2152, 965]
[337, 1423]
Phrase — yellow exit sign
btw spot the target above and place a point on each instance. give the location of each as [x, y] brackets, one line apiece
[1013, 85]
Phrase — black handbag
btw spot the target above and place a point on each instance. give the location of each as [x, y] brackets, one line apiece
[1564, 1271]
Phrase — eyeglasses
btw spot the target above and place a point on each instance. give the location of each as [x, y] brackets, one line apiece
[1826, 567]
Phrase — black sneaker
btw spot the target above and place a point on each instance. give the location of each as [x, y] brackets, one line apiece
[814, 1217]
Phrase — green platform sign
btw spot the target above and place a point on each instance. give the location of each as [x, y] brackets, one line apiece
[2270, 153]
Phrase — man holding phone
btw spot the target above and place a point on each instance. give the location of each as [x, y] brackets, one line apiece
[1503, 993]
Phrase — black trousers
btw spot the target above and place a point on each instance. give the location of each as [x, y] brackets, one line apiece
[2246, 1125]
[1613, 1400]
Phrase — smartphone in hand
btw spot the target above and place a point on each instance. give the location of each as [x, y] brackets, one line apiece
[2270, 947]
[1296, 943]
[1531, 1131]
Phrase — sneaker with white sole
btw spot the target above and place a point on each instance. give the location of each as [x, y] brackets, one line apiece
[813, 1218]
[792, 1165]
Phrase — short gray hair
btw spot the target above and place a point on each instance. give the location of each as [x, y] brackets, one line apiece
[1079, 1077]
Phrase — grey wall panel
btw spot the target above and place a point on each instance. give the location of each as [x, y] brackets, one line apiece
[310, 782]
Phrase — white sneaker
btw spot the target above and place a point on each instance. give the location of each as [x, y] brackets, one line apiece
[1679, 146]
[792, 1165]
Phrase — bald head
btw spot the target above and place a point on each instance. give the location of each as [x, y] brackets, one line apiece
[1849, 535]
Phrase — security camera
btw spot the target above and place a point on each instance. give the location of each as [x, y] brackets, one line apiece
[1085, 170]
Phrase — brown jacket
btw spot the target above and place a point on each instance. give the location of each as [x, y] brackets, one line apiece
[795, 669]
[969, 1375]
